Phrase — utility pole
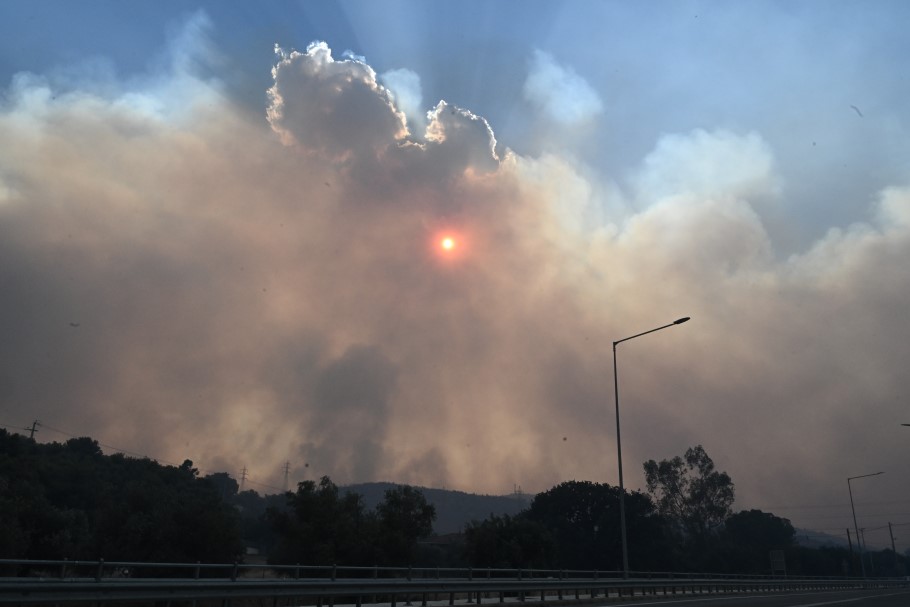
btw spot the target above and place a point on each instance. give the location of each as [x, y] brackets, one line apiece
[850, 543]
[31, 435]
[862, 549]
[287, 469]
[891, 531]
[242, 478]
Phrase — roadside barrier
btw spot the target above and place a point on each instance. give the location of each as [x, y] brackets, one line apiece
[62, 582]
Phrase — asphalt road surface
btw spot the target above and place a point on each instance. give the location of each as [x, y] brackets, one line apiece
[898, 597]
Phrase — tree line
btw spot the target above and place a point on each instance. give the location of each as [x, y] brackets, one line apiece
[71, 501]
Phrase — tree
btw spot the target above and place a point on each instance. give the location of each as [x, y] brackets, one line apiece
[760, 529]
[509, 542]
[321, 525]
[585, 522]
[690, 492]
[226, 486]
[404, 516]
[749, 537]
[72, 501]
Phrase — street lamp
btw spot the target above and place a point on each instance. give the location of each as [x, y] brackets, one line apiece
[622, 489]
[862, 564]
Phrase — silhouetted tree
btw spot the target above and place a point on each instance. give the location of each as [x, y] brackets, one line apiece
[255, 529]
[226, 486]
[404, 516]
[690, 492]
[746, 542]
[509, 542]
[826, 560]
[584, 520]
[321, 525]
[761, 530]
[72, 501]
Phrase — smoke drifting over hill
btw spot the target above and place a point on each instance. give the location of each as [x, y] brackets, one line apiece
[187, 279]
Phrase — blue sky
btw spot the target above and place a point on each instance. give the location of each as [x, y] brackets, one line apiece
[788, 70]
[237, 246]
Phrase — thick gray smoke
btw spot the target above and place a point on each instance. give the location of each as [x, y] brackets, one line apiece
[184, 279]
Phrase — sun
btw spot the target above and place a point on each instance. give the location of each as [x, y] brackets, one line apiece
[449, 245]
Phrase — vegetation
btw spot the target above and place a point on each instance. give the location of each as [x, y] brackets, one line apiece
[321, 525]
[71, 501]
[690, 492]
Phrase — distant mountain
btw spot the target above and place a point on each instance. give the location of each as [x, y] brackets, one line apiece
[454, 509]
[817, 539]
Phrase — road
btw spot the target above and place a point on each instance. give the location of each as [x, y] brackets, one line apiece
[846, 598]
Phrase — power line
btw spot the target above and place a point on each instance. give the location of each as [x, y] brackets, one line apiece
[117, 449]
[12, 427]
[830, 506]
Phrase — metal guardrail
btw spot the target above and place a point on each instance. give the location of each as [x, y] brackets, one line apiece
[98, 582]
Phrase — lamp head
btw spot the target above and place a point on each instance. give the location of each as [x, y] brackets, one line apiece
[681, 320]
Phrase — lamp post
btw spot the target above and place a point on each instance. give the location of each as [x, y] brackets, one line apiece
[862, 563]
[622, 489]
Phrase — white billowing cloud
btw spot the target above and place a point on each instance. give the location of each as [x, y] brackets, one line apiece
[333, 106]
[244, 302]
[708, 165]
[468, 139]
[565, 97]
[404, 85]
[843, 255]
[893, 210]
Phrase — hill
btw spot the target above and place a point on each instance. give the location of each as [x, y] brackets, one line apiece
[817, 539]
[454, 509]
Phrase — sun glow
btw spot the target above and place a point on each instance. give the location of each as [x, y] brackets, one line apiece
[448, 246]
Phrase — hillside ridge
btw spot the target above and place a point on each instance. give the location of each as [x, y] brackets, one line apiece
[454, 509]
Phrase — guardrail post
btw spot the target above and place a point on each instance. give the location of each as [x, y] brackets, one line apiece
[297, 571]
[521, 593]
[470, 579]
[334, 572]
[100, 572]
[375, 575]
[63, 569]
[196, 571]
[234, 572]
[407, 597]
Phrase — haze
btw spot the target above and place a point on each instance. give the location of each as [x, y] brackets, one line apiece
[219, 249]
